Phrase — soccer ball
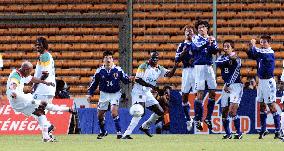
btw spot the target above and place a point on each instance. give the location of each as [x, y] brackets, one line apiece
[136, 110]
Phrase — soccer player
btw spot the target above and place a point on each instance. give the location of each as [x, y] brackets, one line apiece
[107, 77]
[25, 103]
[45, 71]
[184, 54]
[266, 91]
[230, 65]
[204, 73]
[146, 78]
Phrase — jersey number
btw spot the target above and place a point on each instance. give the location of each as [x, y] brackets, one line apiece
[109, 83]
[226, 70]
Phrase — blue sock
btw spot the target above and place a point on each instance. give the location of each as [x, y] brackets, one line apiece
[117, 123]
[263, 116]
[186, 109]
[102, 126]
[198, 110]
[210, 108]
[276, 118]
[226, 123]
[236, 120]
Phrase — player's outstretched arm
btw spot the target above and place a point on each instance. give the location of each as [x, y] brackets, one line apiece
[251, 52]
[172, 72]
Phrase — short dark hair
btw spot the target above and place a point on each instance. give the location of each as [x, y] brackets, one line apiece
[202, 22]
[42, 41]
[107, 53]
[266, 37]
[231, 42]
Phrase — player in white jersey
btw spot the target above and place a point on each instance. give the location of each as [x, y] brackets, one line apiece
[45, 71]
[146, 78]
[25, 103]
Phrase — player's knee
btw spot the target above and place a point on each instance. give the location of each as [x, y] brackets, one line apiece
[114, 113]
[43, 103]
[232, 113]
[200, 95]
[272, 107]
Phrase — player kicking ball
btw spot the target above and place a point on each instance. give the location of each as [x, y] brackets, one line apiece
[26, 104]
[230, 65]
[146, 78]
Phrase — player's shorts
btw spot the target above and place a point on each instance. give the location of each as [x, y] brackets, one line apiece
[234, 96]
[46, 98]
[143, 96]
[24, 103]
[107, 99]
[204, 73]
[266, 91]
[187, 80]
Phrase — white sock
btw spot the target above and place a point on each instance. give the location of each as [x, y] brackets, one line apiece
[152, 119]
[282, 121]
[44, 124]
[56, 108]
[134, 122]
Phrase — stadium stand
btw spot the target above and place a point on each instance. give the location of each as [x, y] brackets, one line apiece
[156, 26]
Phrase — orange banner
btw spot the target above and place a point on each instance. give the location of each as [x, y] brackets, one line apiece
[17, 123]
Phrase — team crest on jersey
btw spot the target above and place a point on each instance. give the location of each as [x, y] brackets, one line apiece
[115, 75]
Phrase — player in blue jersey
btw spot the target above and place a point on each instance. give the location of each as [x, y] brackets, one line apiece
[266, 91]
[107, 77]
[204, 72]
[184, 54]
[230, 65]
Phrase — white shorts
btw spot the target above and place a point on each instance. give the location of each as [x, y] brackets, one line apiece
[235, 95]
[204, 73]
[266, 91]
[187, 78]
[24, 103]
[146, 97]
[108, 98]
[46, 98]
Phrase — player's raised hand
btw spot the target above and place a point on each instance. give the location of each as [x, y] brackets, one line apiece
[253, 43]
[211, 40]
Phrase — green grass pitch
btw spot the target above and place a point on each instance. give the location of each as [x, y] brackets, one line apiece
[140, 143]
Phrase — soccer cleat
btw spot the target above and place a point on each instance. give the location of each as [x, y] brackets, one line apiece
[126, 137]
[277, 135]
[118, 135]
[208, 123]
[238, 136]
[146, 131]
[199, 125]
[227, 136]
[101, 135]
[262, 134]
[48, 140]
[189, 124]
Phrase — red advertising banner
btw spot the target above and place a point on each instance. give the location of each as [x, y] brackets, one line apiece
[17, 123]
